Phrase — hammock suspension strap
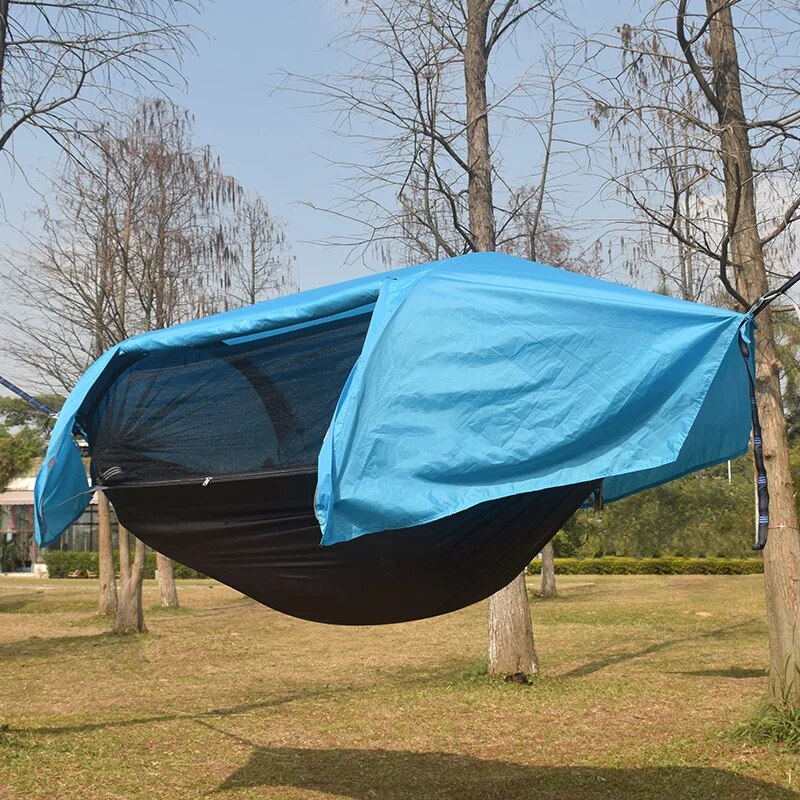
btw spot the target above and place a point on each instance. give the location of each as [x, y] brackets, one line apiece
[762, 487]
[29, 399]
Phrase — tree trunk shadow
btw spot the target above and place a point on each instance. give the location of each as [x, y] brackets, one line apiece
[612, 659]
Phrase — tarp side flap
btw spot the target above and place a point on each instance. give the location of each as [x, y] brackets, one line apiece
[479, 386]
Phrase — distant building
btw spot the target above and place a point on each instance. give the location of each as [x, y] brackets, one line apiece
[18, 550]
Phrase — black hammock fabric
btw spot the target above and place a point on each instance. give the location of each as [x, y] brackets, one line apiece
[259, 536]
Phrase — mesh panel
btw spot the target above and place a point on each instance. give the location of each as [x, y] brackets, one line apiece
[230, 409]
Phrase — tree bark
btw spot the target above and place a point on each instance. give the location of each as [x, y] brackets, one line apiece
[511, 647]
[107, 597]
[479, 157]
[4, 4]
[124, 557]
[782, 553]
[166, 582]
[130, 614]
[548, 572]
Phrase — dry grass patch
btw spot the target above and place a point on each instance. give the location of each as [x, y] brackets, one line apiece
[642, 676]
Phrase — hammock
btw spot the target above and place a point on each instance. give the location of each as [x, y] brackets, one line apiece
[259, 535]
[401, 445]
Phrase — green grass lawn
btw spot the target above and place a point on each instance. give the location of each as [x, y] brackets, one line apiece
[643, 677]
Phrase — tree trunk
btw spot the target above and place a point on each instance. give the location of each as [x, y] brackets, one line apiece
[3, 37]
[511, 647]
[130, 614]
[124, 556]
[107, 598]
[479, 157]
[548, 572]
[166, 581]
[782, 554]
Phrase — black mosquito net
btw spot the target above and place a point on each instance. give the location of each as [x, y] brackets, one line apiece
[237, 408]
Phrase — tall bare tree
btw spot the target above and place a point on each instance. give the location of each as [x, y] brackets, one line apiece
[137, 238]
[511, 647]
[549, 588]
[421, 88]
[130, 611]
[62, 62]
[261, 265]
[737, 139]
[107, 594]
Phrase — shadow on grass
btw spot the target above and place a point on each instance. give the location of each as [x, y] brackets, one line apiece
[404, 775]
[14, 603]
[730, 672]
[409, 677]
[40, 602]
[168, 611]
[657, 647]
[56, 646]
[213, 713]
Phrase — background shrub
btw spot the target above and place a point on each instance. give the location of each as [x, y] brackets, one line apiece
[669, 565]
[60, 563]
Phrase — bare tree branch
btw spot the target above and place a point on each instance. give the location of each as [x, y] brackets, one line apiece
[62, 61]
[688, 54]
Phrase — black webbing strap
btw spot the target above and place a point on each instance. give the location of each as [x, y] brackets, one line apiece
[762, 488]
[768, 297]
[29, 399]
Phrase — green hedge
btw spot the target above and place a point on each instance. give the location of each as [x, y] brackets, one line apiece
[618, 565]
[60, 563]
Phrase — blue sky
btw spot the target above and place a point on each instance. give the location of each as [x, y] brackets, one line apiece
[272, 141]
[276, 142]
